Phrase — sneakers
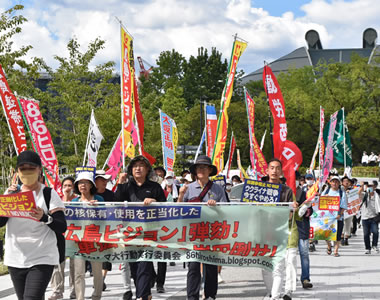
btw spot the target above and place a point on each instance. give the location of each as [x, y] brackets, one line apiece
[287, 297]
[367, 251]
[72, 295]
[343, 242]
[55, 296]
[306, 284]
[104, 286]
[160, 289]
[375, 249]
[220, 279]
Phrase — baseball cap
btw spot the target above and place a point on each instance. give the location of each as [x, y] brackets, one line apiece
[28, 157]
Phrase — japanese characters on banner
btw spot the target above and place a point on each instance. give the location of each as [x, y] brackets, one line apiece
[258, 162]
[17, 205]
[291, 158]
[94, 139]
[42, 141]
[219, 180]
[127, 90]
[329, 155]
[323, 225]
[85, 169]
[169, 139]
[230, 155]
[260, 191]
[221, 132]
[277, 107]
[353, 202]
[329, 203]
[13, 114]
[231, 235]
[211, 124]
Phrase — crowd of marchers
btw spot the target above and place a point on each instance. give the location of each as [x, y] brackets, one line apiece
[34, 261]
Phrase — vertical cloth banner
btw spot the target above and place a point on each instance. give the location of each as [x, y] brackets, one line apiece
[169, 136]
[258, 162]
[42, 141]
[12, 114]
[94, 139]
[318, 146]
[329, 155]
[277, 107]
[230, 155]
[115, 158]
[321, 141]
[221, 132]
[211, 124]
[200, 144]
[342, 142]
[127, 90]
[291, 158]
[243, 173]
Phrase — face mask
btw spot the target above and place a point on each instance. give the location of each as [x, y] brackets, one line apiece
[169, 181]
[309, 182]
[28, 177]
[297, 183]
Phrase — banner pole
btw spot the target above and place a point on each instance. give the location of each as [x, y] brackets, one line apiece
[88, 138]
[269, 112]
[344, 141]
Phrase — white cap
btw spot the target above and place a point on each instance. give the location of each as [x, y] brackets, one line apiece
[188, 178]
[169, 174]
[102, 173]
[85, 175]
[335, 177]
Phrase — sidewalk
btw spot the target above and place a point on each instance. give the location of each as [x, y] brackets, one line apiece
[353, 275]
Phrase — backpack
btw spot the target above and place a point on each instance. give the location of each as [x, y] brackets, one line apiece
[340, 192]
[61, 242]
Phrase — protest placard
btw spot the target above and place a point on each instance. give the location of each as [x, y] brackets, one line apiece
[329, 203]
[353, 203]
[219, 180]
[260, 191]
[17, 205]
[323, 225]
[235, 235]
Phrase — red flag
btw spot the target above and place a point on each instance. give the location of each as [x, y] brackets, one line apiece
[230, 155]
[291, 158]
[13, 114]
[277, 106]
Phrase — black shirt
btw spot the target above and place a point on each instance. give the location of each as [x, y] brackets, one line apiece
[107, 195]
[131, 192]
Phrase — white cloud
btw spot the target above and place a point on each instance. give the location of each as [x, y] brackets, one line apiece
[160, 25]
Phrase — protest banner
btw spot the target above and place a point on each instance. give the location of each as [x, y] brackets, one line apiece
[230, 235]
[12, 113]
[219, 180]
[169, 140]
[260, 191]
[329, 203]
[17, 205]
[221, 131]
[127, 92]
[353, 203]
[258, 162]
[211, 124]
[323, 224]
[94, 138]
[230, 155]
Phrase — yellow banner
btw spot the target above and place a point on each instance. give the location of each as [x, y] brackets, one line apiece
[242, 171]
[221, 133]
[127, 90]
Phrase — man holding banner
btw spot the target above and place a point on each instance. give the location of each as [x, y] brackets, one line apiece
[202, 190]
[136, 186]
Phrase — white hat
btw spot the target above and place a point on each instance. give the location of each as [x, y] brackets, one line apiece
[102, 174]
[189, 178]
[85, 175]
[335, 177]
[169, 174]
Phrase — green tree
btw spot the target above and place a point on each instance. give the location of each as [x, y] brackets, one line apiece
[72, 93]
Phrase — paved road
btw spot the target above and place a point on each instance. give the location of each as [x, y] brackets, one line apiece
[353, 275]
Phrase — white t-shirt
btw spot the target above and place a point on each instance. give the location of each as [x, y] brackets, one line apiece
[29, 242]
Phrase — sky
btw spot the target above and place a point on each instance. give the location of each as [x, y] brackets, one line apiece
[272, 28]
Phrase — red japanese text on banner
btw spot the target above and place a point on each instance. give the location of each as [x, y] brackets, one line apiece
[230, 155]
[13, 114]
[211, 124]
[221, 133]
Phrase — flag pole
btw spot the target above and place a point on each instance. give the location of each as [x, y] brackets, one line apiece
[88, 138]
[344, 141]
[269, 113]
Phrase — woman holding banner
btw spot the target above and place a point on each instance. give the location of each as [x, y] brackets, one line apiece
[31, 250]
[84, 186]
